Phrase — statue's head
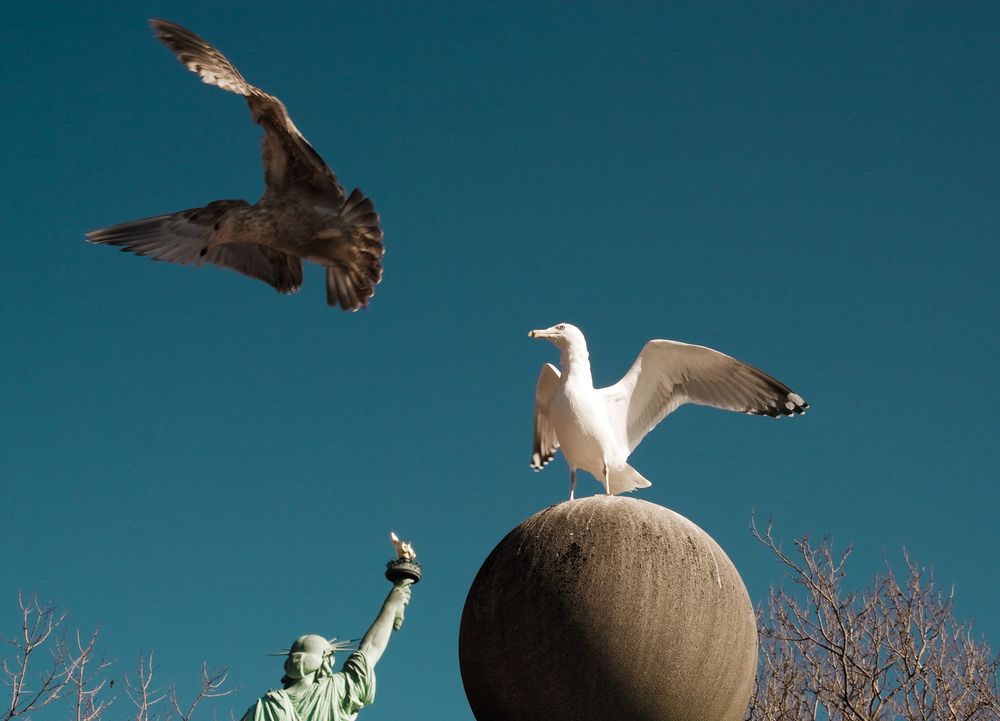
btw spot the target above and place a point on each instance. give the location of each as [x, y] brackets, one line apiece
[308, 654]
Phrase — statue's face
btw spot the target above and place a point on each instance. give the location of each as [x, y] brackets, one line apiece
[305, 656]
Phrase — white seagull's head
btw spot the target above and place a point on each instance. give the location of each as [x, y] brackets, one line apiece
[563, 335]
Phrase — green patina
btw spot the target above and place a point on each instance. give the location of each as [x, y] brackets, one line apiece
[312, 691]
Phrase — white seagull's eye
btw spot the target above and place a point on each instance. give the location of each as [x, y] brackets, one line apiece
[561, 326]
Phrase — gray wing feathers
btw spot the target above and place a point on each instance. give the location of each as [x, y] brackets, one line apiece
[668, 374]
[183, 238]
[545, 442]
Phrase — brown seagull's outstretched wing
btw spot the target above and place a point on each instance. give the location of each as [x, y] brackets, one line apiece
[183, 238]
[290, 162]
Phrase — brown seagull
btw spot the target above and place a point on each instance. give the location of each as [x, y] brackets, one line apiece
[304, 212]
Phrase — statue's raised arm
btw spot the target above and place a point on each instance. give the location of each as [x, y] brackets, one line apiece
[374, 642]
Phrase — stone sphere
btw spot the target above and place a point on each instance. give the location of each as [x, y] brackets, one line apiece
[608, 608]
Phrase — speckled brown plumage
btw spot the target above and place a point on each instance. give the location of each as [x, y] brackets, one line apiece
[303, 213]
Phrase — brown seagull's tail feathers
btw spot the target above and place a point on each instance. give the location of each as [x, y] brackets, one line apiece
[359, 215]
[351, 279]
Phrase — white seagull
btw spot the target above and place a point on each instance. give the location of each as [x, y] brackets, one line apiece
[597, 428]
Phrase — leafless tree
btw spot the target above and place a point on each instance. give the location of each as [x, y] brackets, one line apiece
[43, 666]
[891, 651]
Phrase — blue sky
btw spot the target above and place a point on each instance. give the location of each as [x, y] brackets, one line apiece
[202, 467]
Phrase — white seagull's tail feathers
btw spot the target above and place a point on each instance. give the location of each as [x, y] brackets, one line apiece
[199, 57]
[626, 479]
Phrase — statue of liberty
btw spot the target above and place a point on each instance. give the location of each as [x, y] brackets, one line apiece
[311, 689]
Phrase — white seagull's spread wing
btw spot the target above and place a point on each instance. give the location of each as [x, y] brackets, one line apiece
[545, 442]
[667, 374]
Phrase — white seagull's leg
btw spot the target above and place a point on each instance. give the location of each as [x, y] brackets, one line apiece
[572, 482]
[607, 480]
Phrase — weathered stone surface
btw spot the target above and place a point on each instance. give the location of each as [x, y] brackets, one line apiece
[608, 608]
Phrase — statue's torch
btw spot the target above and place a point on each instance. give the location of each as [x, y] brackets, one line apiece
[402, 570]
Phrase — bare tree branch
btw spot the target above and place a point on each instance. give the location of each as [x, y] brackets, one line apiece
[211, 687]
[893, 650]
[141, 692]
[30, 692]
[83, 674]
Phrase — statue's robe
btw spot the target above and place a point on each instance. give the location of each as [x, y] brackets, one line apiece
[334, 698]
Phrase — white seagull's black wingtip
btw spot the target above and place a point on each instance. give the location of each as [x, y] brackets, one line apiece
[793, 405]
